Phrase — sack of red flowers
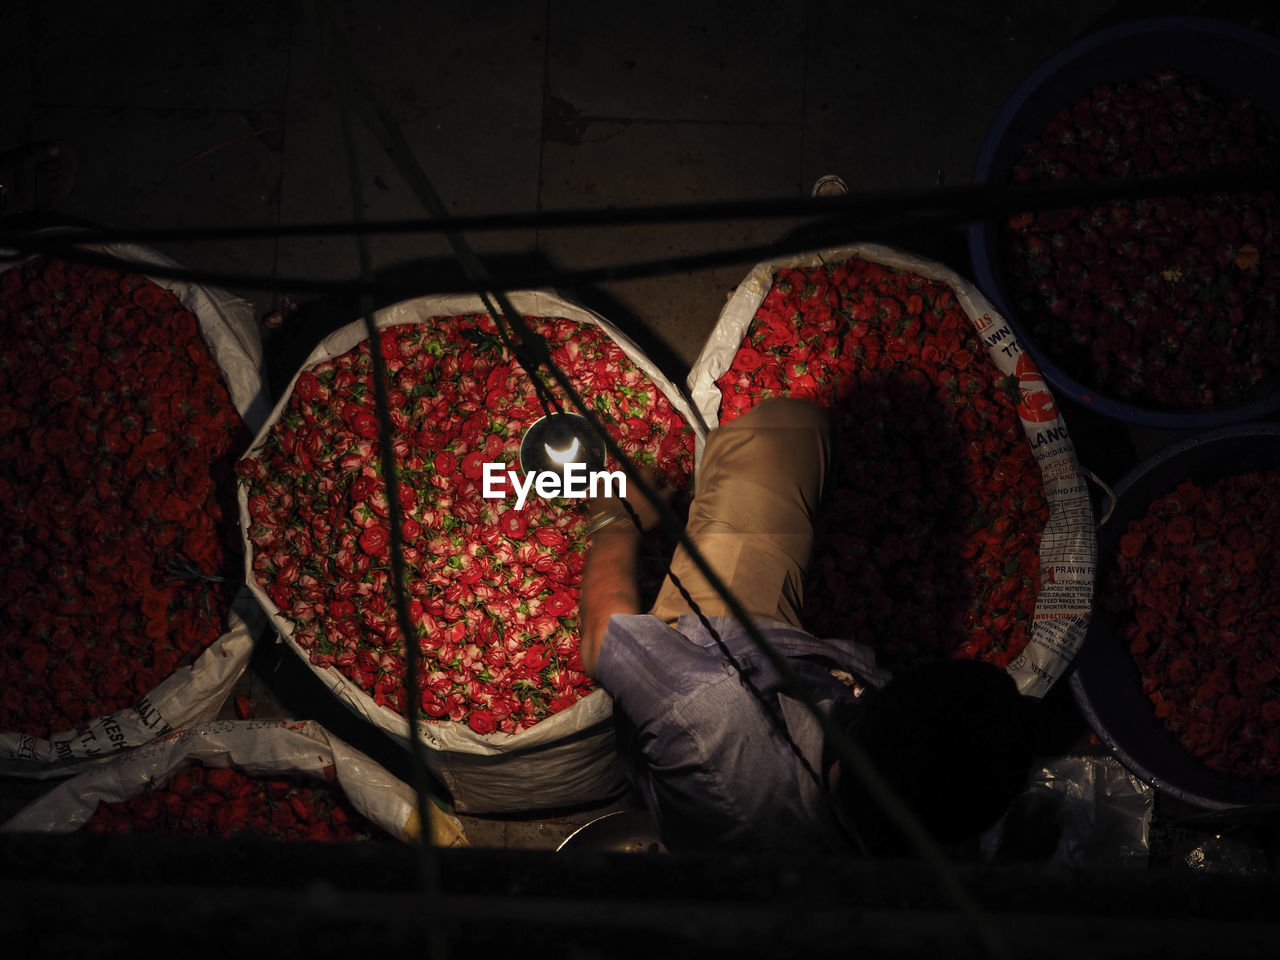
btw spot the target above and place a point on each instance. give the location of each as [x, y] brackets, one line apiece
[511, 721]
[958, 524]
[123, 404]
[272, 779]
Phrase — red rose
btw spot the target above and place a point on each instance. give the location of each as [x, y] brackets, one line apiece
[365, 424]
[363, 488]
[446, 463]
[481, 721]
[303, 808]
[375, 540]
[307, 387]
[747, 359]
[408, 496]
[62, 389]
[473, 428]
[559, 604]
[222, 779]
[514, 523]
[155, 602]
[1180, 529]
[473, 465]
[550, 537]
[36, 657]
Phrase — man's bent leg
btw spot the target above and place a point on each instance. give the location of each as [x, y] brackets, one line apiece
[759, 485]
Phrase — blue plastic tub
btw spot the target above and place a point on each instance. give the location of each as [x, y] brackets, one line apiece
[1230, 59]
[1105, 680]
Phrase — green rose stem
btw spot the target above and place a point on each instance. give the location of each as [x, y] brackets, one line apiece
[181, 570]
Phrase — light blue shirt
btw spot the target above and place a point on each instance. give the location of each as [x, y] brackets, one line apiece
[714, 770]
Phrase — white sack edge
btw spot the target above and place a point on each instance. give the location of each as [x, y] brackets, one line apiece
[258, 748]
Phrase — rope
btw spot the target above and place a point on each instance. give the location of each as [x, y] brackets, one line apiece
[1106, 492]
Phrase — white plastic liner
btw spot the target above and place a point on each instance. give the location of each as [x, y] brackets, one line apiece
[257, 748]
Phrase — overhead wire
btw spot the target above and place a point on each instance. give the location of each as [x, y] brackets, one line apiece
[958, 201]
[426, 859]
[859, 217]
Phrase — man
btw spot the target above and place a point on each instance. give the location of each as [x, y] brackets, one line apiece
[722, 757]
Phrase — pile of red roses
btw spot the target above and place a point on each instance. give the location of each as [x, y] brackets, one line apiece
[117, 439]
[1199, 608]
[223, 802]
[494, 590]
[929, 542]
[1164, 302]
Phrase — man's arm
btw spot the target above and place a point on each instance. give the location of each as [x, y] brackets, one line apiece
[609, 577]
[608, 585]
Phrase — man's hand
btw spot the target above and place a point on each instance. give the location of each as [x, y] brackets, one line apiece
[646, 511]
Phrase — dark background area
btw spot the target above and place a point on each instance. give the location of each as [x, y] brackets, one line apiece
[216, 114]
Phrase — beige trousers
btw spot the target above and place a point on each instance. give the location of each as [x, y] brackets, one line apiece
[759, 485]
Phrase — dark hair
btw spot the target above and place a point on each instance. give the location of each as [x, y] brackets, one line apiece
[954, 739]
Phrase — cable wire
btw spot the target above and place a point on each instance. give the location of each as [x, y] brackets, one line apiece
[858, 218]
[902, 207]
[427, 861]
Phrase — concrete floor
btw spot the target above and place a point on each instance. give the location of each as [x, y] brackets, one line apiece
[216, 114]
[212, 114]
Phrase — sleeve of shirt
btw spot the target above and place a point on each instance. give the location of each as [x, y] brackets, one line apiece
[646, 666]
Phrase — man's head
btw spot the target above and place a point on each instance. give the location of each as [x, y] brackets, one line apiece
[954, 739]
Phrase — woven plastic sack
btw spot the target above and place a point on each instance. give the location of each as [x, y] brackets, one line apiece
[567, 759]
[1068, 547]
[257, 748]
[195, 693]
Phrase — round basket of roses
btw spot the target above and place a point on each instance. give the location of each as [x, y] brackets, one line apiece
[959, 524]
[125, 404]
[1180, 673]
[1159, 311]
[511, 720]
